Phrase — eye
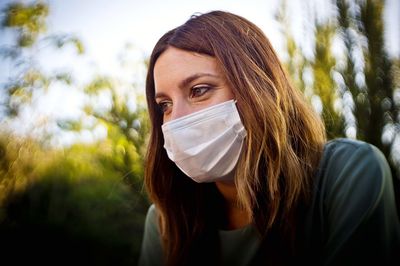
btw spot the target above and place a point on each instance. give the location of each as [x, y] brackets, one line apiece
[164, 106]
[199, 91]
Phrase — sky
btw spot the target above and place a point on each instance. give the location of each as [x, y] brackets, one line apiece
[105, 27]
[142, 22]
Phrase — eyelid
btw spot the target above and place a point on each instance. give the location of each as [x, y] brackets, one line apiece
[163, 104]
[199, 91]
[160, 99]
[201, 85]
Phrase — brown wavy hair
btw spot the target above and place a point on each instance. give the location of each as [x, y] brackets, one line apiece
[284, 142]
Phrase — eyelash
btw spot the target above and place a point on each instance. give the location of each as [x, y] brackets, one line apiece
[204, 90]
[163, 105]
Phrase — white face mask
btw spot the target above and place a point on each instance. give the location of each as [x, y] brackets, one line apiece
[206, 145]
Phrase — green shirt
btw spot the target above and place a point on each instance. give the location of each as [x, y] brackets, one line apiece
[352, 219]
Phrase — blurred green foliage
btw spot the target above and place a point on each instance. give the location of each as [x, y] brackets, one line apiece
[79, 204]
[77, 200]
[27, 22]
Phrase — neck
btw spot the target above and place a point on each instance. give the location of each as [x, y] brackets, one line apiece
[236, 217]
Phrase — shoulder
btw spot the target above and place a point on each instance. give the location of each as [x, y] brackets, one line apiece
[355, 178]
[354, 159]
[151, 250]
[353, 175]
[343, 148]
[354, 202]
[151, 215]
[151, 222]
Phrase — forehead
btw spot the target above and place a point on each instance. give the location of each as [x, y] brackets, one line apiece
[175, 64]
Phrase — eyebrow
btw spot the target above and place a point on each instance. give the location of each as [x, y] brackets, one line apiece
[187, 81]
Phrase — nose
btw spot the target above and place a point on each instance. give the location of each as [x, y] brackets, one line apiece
[179, 109]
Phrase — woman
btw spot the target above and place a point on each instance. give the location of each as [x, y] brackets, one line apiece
[238, 167]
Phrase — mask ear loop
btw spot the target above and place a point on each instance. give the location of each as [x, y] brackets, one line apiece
[240, 131]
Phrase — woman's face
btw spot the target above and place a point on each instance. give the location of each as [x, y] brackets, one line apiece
[186, 82]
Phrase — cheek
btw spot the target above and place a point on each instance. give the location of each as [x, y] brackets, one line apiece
[222, 95]
[227, 94]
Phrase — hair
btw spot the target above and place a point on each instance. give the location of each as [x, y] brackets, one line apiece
[282, 149]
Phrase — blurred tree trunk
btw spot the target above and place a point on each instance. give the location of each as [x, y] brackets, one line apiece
[371, 82]
[373, 93]
[365, 77]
